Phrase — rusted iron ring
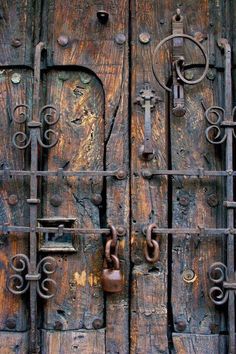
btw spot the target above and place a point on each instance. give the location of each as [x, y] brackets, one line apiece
[113, 235]
[155, 252]
[149, 234]
[151, 249]
[193, 82]
[110, 250]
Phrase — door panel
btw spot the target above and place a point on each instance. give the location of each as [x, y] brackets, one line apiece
[80, 299]
[149, 201]
[195, 201]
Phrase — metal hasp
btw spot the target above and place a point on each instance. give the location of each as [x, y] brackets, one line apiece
[147, 100]
[221, 130]
[178, 64]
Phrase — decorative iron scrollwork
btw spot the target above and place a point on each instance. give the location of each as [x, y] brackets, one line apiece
[221, 130]
[19, 282]
[20, 139]
[218, 274]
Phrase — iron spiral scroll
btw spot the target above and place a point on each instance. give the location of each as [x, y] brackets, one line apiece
[217, 120]
[219, 293]
[48, 114]
[18, 283]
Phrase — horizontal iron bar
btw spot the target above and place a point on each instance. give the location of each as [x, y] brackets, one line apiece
[196, 173]
[119, 173]
[10, 228]
[107, 231]
[197, 231]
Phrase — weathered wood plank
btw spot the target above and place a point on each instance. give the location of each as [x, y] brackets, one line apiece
[195, 202]
[95, 47]
[79, 300]
[65, 342]
[198, 344]
[118, 192]
[11, 342]
[16, 31]
[13, 193]
[149, 201]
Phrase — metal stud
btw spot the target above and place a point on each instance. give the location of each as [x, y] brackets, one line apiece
[144, 37]
[120, 38]
[16, 77]
[63, 40]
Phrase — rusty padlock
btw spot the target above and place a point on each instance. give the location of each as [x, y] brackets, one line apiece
[112, 281]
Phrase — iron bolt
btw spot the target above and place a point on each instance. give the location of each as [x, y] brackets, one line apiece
[147, 174]
[210, 74]
[97, 199]
[11, 323]
[212, 200]
[97, 323]
[162, 21]
[120, 38]
[102, 16]
[180, 325]
[121, 174]
[144, 37]
[189, 75]
[56, 200]
[12, 199]
[184, 200]
[121, 230]
[16, 43]
[62, 40]
[85, 78]
[15, 79]
[189, 276]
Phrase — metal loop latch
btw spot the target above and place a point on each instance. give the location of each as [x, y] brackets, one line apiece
[151, 248]
[178, 64]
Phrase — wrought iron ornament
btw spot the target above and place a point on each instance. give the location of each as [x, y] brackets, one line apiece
[222, 130]
[20, 263]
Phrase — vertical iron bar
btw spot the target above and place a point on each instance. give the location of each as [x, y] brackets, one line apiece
[34, 133]
[223, 43]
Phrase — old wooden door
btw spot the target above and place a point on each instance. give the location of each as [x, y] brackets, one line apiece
[117, 129]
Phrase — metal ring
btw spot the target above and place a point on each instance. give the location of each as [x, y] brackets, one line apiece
[149, 234]
[155, 252]
[177, 66]
[108, 250]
